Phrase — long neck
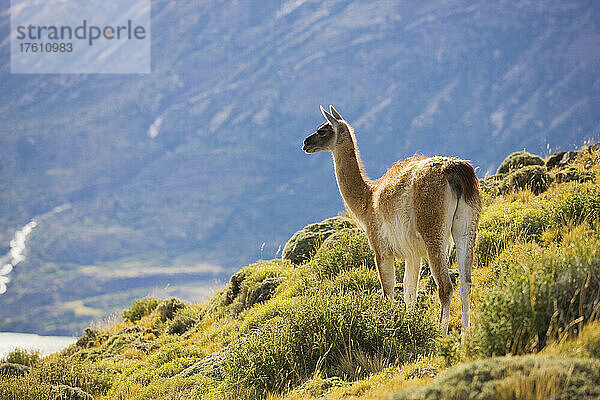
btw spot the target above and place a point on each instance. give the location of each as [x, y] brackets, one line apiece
[355, 187]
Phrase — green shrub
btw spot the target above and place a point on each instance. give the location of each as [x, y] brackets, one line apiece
[89, 377]
[23, 357]
[504, 223]
[184, 319]
[139, 309]
[523, 378]
[251, 285]
[489, 243]
[532, 177]
[23, 388]
[112, 346]
[234, 289]
[13, 370]
[361, 280]
[515, 220]
[554, 160]
[531, 223]
[156, 371]
[166, 309]
[330, 333]
[449, 347]
[264, 291]
[577, 207]
[213, 365]
[91, 338]
[519, 160]
[344, 250]
[538, 294]
[303, 244]
[573, 174]
[491, 184]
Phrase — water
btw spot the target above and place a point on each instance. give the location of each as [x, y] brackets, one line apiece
[45, 344]
[16, 254]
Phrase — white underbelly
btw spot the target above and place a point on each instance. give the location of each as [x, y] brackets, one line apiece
[399, 231]
[400, 234]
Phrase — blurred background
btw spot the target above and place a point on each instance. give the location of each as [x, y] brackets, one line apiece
[114, 187]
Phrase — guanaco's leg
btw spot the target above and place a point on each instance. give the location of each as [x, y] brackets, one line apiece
[412, 270]
[463, 233]
[387, 277]
[438, 262]
[432, 201]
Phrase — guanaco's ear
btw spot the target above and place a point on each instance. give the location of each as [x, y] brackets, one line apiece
[335, 113]
[330, 118]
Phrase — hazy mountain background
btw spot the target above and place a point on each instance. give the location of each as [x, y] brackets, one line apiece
[175, 179]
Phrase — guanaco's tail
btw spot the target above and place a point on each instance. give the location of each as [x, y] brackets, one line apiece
[463, 179]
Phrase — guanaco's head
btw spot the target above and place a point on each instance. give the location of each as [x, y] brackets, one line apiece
[329, 134]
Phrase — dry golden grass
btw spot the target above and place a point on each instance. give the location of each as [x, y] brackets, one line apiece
[377, 386]
[132, 353]
[538, 384]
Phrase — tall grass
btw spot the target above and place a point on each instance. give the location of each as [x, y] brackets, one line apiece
[540, 293]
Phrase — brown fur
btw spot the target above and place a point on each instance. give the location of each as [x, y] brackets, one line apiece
[465, 173]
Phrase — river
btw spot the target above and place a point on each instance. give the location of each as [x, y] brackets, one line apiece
[45, 344]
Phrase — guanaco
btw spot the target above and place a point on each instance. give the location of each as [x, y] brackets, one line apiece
[414, 211]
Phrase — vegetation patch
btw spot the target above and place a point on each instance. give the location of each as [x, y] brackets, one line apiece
[139, 309]
[344, 250]
[28, 358]
[573, 174]
[304, 243]
[540, 294]
[252, 285]
[586, 344]
[532, 177]
[528, 377]
[554, 160]
[339, 335]
[184, 319]
[518, 160]
[13, 370]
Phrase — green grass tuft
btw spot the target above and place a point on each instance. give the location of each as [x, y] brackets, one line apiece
[23, 357]
[139, 309]
[343, 250]
[519, 160]
[540, 293]
[523, 378]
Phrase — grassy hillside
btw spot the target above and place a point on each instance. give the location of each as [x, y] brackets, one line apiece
[201, 162]
[318, 327]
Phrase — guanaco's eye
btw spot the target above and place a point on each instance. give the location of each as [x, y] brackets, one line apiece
[321, 133]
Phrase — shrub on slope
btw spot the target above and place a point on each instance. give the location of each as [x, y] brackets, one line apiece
[539, 293]
[335, 334]
[519, 160]
[523, 378]
[304, 243]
